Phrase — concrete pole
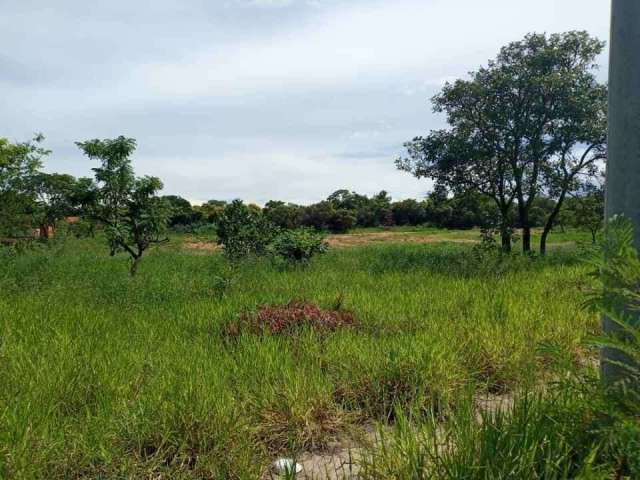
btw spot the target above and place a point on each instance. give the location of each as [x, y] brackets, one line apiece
[623, 165]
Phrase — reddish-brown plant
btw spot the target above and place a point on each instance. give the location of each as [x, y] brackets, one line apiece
[280, 319]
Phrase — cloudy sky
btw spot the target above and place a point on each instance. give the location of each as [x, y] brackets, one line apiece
[256, 99]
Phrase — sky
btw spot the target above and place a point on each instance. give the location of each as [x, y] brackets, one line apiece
[254, 99]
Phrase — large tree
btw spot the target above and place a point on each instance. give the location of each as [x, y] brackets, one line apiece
[19, 163]
[134, 217]
[514, 122]
[54, 199]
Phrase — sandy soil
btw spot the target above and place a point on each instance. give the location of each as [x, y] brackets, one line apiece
[354, 240]
[201, 246]
[341, 460]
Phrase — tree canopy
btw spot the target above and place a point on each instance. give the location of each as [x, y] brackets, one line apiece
[517, 125]
[133, 215]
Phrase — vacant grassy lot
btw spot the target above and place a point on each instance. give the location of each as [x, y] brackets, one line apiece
[104, 376]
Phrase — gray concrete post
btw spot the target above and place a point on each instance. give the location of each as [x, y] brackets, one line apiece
[623, 165]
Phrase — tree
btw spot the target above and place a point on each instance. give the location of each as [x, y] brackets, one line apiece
[368, 212]
[512, 122]
[182, 213]
[341, 221]
[325, 216]
[464, 159]
[212, 210]
[134, 217]
[84, 201]
[382, 206]
[588, 210]
[581, 141]
[408, 212]
[283, 215]
[318, 215]
[298, 245]
[243, 231]
[19, 163]
[54, 198]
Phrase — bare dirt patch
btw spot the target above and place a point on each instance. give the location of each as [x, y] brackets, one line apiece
[353, 240]
[357, 239]
[202, 246]
[343, 459]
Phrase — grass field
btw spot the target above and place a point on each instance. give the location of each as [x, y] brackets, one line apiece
[107, 376]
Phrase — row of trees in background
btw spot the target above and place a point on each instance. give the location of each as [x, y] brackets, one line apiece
[344, 210]
[34, 200]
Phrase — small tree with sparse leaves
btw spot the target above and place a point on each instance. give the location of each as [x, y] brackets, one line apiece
[133, 215]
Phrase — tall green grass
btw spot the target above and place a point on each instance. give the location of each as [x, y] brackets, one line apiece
[576, 427]
[107, 376]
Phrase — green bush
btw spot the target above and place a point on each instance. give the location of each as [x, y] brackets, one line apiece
[298, 245]
[244, 232]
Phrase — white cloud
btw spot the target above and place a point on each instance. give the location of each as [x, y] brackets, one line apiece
[256, 99]
[366, 43]
[264, 3]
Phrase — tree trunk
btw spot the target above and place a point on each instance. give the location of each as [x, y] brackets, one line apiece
[549, 223]
[134, 265]
[505, 230]
[543, 239]
[506, 241]
[523, 218]
[44, 231]
[526, 238]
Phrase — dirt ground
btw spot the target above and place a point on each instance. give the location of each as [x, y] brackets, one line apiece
[354, 240]
[342, 460]
[201, 246]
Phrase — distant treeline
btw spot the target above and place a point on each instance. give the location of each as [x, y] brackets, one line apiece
[344, 210]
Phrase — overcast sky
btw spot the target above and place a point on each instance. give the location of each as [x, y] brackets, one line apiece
[254, 99]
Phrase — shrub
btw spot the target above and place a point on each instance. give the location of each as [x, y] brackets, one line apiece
[341, 221]
[298, 245]
[325, 216]
[243, 231]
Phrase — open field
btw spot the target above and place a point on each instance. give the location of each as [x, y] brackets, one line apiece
[398, 235]
[105, 376]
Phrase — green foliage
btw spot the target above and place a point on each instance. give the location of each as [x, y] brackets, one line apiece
[212, 210]
[54, 198]
[283, 215]
[325, 216]
[297, 245]
[529, 142]
[408, 212]
[134, 217]
[19, 163]
[587, 210]
[341, 221]
[619, 301]
[243, 231]
[183, 215]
